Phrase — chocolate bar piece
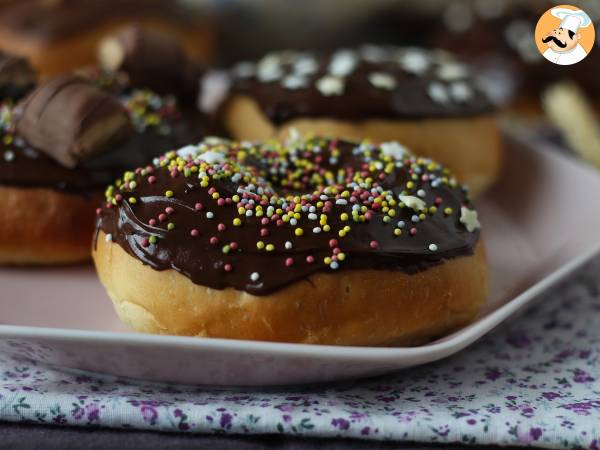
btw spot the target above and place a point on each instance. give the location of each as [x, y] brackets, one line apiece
[151, 59]
[16, 76]
[71, 120]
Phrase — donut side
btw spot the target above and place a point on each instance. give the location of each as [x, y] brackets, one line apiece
[470, 146]
[40, 226]
[355, 307]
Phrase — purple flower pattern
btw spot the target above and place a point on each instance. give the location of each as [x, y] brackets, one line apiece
[533, 382]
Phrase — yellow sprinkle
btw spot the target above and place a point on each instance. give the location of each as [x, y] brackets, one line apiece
[344, 216]
[132, 200]
[326, 228]
[237, 221]
[327, 260]
[341, 256]
[260, 245]
[448, 211]
[298, 231]
[410, 185]
[270, 247]
[169, 194]
[397, 231]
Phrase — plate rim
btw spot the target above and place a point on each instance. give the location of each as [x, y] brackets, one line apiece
[428, 352]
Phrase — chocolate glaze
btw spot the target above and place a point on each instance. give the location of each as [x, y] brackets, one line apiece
[17, 77]
[409, 99]
[187, 247]
[152, 59]
[22, 165]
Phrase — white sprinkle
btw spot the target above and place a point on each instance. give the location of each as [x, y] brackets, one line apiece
[433, 247]
[294, 82]
[401, 224]
[452, 71]
[438, 93]
[209, 215]
[108, 238]
[330, 85]
[293, 222]
[343, 63]
[468, 218]
[211, 157]
[341, 201]
[334, 265]
[9, 156]
[394, 149]
[461, 92]
[415, 218]
[269, 68]
[382, 80]
[313, 216]
[415, 61]
[186, 151]
[412, 202]
[249, 213]
[306, 65]
[421, 193]
[316, 230]
[255, 276]
[288, 245]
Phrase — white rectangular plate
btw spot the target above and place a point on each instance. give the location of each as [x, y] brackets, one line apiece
[539, 225]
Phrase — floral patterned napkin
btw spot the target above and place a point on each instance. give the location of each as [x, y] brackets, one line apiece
[535, 381]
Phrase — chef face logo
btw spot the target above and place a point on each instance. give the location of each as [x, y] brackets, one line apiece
[565, 35]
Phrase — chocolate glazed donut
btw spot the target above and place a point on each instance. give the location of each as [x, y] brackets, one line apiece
[425, 99]
[317, 241]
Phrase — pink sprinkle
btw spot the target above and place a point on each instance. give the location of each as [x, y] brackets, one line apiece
[198, 206]
[413, 231]
[373, 244]
[280, 223]
[98, 211]
[162, 217]
[336, 251]
[289, 262]
[227, 268]
[211, 191]
[221, 201]
[145, 242]
[221, 227]
[333, 243]
[151, 179]
[264, 232]
[152, 222]
[310, 259]
[264, 221]
[438, 201]
[233, 246]
[169, 210]
[118, 197]
[194, 232]
[213, 240]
